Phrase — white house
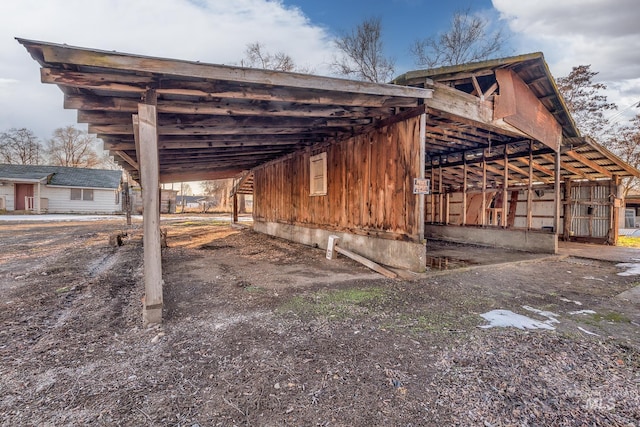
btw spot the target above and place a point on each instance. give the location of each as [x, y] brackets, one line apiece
[56, 189]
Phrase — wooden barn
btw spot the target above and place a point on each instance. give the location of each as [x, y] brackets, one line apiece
[483, 153]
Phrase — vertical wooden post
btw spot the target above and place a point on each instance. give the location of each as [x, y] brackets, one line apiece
[447, 208]
[421, 164]
[149, 173]
[433, 194]
[483, 216]
[530, 189]
[566, 223]
[464, 188]
[505, 207]
[235, 208]
[557, 195]
[440, 194]
[616, 207]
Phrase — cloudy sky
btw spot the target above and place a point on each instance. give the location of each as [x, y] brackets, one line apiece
[603, 33]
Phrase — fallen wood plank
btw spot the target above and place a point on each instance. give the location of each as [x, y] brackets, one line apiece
[332, 247]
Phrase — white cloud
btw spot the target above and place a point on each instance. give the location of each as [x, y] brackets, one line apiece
[602, 33]
[214, 31]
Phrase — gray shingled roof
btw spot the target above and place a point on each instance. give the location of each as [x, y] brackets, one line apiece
[63, 176]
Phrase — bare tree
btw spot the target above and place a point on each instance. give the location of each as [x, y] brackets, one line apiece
[585, 101]
[469, 39]
[72, 147]
[217, 194]
[20, 146]
[258, 57]
[625, 142]
[361, 53]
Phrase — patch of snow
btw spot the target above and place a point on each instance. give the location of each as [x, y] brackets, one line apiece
[548, 314]
[570, 300]
[582, 312]
[633, 269]
[588, 332]
[592, 278]
[507, 318]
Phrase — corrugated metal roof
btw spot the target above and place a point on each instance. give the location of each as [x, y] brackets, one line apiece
[63, 176]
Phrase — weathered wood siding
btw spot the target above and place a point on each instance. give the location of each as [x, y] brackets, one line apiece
[369, 189]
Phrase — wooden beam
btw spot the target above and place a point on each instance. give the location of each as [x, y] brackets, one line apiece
[536, 166]
[124, 156]
[593, 165]
[153, 300]
[568, 167]
[105, 60]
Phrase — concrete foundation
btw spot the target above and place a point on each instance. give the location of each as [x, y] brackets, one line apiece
[394, 253]
[521, 240]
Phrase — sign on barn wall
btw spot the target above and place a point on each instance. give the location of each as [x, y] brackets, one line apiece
[421, 186]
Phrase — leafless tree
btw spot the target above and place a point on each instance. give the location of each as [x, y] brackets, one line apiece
[469, 39]
[625, 142]
[361, 54]
[257, 56]
[20, 146]
[72, 147]
[217, 193]
[585, 101]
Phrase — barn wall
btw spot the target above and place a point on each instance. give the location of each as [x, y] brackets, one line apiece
[369, 190]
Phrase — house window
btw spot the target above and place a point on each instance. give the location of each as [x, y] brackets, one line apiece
[81, 194]
[76, 194]
[318, 174]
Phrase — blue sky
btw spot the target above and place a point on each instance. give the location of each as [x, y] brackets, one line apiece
[403, 21]
[603, 33]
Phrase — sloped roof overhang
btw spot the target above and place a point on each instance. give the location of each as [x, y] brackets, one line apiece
[214, 121]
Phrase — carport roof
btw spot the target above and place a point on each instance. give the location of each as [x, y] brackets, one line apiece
[214, 121]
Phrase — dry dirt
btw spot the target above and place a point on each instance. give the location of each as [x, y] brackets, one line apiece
[263, 332]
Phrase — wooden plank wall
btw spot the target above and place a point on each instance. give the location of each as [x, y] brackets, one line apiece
[369, 188]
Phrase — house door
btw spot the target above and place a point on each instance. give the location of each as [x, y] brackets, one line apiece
[22, 191]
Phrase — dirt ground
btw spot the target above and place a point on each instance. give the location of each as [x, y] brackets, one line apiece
[263, 332]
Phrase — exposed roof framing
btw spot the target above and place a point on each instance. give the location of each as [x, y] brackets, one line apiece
[453, 139]
[214, 121]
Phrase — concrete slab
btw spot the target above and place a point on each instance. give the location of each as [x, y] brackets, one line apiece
[442, 255]
[599, 252]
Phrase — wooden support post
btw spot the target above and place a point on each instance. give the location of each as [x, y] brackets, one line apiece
[235, 208]
[126, 202]
[433, 195]
[616, 207]
[568, 214]
[440, 195]
[464, 188]
[530, 189]
[149, 173]
[447, 208]
[483, 216]
[557, 194]
[422, 164]
[505, 207]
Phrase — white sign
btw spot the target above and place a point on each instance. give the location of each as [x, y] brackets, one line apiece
[421, 186]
